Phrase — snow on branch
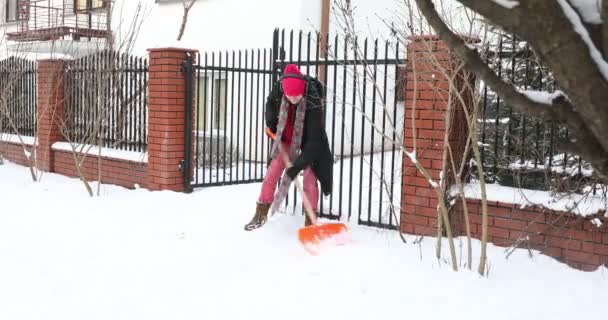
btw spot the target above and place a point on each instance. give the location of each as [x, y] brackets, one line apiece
[579, 28]
[509, 4]
[543, 97]
[589, 10]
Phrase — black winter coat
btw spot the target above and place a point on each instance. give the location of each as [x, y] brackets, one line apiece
[315, 144]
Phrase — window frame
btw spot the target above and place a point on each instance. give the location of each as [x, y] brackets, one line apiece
[204, 101]
[7, 11]
[89, 6]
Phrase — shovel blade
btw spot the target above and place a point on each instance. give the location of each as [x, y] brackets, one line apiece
[313, 236]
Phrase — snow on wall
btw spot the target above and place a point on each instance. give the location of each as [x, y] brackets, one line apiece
[578, 204]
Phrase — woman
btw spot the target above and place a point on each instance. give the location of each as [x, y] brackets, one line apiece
[295, 119]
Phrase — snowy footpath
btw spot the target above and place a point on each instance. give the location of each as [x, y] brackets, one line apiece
[141, 255]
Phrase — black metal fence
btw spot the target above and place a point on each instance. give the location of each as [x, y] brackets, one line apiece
[230, 93]
[18, 96]
[364, 114]
[519, 150]
[106, 101]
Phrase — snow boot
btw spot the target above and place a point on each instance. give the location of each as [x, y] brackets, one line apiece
[260, 216]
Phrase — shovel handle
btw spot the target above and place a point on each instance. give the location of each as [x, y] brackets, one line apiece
[308, 208]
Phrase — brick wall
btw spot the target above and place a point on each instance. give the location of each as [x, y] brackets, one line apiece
[166, 145]
[113, 171]
[14, 152]
[568, 238]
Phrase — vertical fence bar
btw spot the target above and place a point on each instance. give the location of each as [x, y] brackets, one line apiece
[523, 117]
[225, 128]
[290, 45]
[394, 137]
[384, 105]
[204, 110]
[246, 58]
[361, 147]
[343, 127]
[142, 128]
[497, 123]
[251, 117]
[510, 124]
[372, 129]
[212, 123]
[324, 80]
[333, 112]
[257, 114]
[352, 130]
[262, 115]
[196, 113]
[232, 114]
[300, 49]
[238, 120]
[189, 71]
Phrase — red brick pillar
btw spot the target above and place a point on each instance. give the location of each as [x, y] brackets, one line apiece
[49, 111]
[427, 98]
[166, 123]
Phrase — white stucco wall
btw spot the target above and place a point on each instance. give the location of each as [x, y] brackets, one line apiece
[244, 24]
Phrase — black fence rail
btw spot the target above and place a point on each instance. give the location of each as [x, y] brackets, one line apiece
[519, 150]
[106, 101]
[18, 96]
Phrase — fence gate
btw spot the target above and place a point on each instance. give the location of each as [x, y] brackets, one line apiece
[364, 115]
[229, 91]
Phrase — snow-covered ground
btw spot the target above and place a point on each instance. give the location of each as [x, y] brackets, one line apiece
[164, 255]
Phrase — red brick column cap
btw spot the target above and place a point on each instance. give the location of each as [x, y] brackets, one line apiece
[173, 49]
[423, 37]
[53, 60]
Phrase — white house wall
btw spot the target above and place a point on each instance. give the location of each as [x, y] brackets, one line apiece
[243, 24]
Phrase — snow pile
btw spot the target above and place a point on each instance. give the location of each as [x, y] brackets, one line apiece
[141, 255]
[578, 204]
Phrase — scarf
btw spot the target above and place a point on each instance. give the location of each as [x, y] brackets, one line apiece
[294, 148]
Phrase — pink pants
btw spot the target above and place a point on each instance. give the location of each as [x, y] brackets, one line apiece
[311, 189]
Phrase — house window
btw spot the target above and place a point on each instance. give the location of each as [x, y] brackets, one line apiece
[10, 10]
[89, 5]
[212, 103]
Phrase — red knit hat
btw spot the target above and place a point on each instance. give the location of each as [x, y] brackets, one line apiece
[293, 86]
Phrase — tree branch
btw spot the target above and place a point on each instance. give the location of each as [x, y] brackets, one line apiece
[505, 17]
[187, 7]
[560, 111]
[553, 32]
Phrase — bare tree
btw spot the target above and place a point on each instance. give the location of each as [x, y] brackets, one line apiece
[187, 5]
[101, 86]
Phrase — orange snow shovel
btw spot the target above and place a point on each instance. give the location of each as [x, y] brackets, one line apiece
[316, 235]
